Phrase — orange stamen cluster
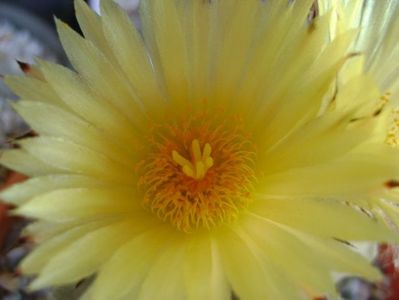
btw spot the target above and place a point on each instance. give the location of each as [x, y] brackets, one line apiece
[197, 174]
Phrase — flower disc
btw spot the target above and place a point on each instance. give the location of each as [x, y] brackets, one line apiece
[199, 172]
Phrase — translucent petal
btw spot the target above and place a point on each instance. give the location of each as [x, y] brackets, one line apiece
[311, 267]
[124, 272]
[168, 51]
[82, 203]
[90, 24]
[104, 78]
[236, 35]
[377, 38]
[354, 175]
[25, 163]
[154, 285]
[33, 89]
[106, 240]
[328, 218]
[320, 140]
[49, 120]
[251, 274]
[77, 159]
[203, 273]
[36, 260]
[90, 106]
[131, 54]
[22, 192]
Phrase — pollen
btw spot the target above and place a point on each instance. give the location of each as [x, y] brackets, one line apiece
[198, 175]
[392, 134]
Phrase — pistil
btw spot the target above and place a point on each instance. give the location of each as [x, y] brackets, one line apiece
[200, 163]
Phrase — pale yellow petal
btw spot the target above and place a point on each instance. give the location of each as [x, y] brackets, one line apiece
[311, 267]
[320, 140]
[33, 89]
[66, 205]
[353, 96]
[310, 272]
[25, 163]
[377, 38]
[251, 274]
[271, 121]
[328, 218]
[39, 257]
[22, 192]
[355, 175]
[132, 55]
[86, 258]
[123, 274]
[90, 24]
[49, 120]
[77, 159]
[198, 20]
[168, 50]
[230, 58]
[168, 263]
[389, 211]
[43, 230]
[203, 271]
[88, 105]
[104, 78]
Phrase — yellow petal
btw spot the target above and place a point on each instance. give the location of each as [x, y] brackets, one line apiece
[169, 50]
[154, 285]
[251, 274]
[327, 218]
[52, 121]
[77, 159]
[86, 258]
[104, 78]
[90, 24]
[25, 163]
[22, 192]
[203, 272]
[67, 205]
[123, 274]
[34, 90]
[328, 137]
[354, 175]
[310, 267]
[89, 105]
[36, 260]
[131, 54]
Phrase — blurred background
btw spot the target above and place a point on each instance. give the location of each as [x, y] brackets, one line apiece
[45, 9]
[27, 31]
[62, 9]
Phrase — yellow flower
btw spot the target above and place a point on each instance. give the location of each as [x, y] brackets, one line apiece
[376, 40]
[376, 36]
[215, 153]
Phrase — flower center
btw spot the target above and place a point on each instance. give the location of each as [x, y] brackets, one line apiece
[198, 173]
[200, 161]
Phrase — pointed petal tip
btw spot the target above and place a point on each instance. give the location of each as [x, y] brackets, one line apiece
[62, 27]
[109, 6]
[58, 22]
[37, 284]
[15, 212]
[81, 6]
[4, 197]
[79, 3]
